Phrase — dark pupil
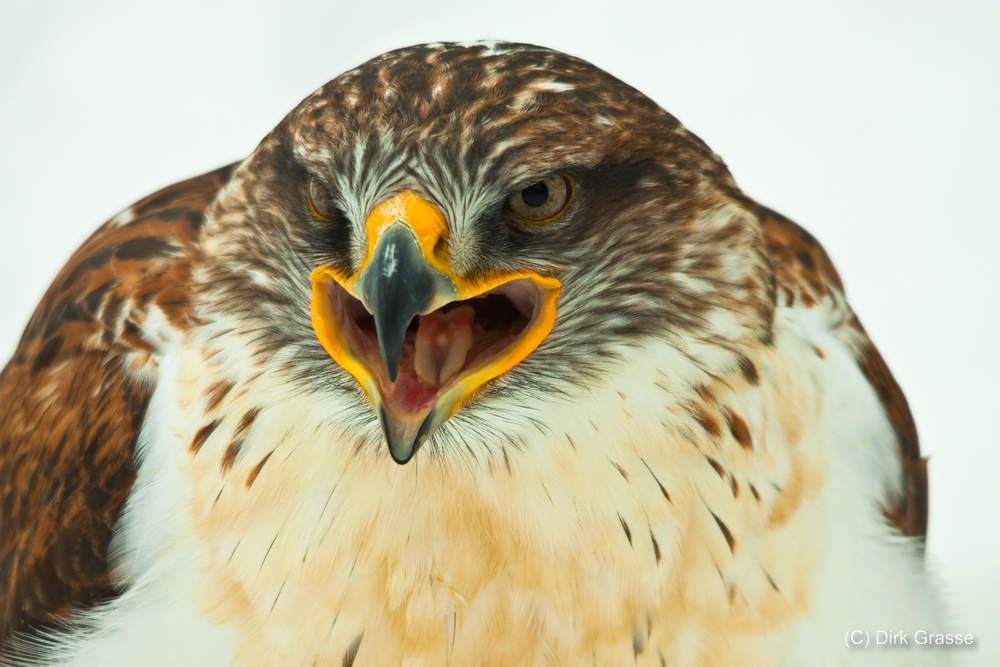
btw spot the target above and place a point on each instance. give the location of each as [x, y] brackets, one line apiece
[535, 195]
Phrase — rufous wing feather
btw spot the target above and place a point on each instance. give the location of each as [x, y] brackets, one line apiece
[74, 397]
[806, 277]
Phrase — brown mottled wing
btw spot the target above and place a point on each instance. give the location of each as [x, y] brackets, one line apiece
[74, 397]
[805, 276]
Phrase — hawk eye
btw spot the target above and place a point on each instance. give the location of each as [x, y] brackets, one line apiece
[542, 202]
[319, 201]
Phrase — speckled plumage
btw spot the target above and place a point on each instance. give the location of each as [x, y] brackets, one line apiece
[682, 473]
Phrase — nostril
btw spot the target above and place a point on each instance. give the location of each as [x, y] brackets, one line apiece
[441, 249]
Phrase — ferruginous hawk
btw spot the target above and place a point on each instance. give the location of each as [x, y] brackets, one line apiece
[480, 358]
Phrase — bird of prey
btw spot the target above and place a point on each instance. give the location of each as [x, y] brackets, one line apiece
[479, 358]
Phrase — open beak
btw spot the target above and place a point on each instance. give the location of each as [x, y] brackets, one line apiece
[419, 338]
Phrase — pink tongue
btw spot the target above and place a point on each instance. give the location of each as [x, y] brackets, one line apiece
[443, 342]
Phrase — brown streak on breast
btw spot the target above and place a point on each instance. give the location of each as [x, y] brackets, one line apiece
[232, 451]
[628, 531]
[707, 421]
[252, 477]
[749, 371]
[216, 393]
[202, 435]
[246, 422]
[352, 651]
[663, 490]
[738, 427]
[726, 533]
[621, 471]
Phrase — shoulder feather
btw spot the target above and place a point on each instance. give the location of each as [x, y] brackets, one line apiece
[74, 397]
[805, 277]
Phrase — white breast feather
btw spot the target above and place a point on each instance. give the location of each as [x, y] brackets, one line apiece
[454, 560]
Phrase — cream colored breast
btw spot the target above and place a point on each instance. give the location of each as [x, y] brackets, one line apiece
[637, 525]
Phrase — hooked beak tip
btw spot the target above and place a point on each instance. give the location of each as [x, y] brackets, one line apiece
[403, 441]
[402, 455]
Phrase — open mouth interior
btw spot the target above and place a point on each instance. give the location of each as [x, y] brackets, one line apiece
[443, 346]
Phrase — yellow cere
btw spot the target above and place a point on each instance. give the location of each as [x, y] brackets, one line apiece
[430, 228]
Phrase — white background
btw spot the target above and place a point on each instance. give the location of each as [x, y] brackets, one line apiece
[874, 124]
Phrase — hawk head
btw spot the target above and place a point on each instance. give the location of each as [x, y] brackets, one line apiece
[453, 231]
